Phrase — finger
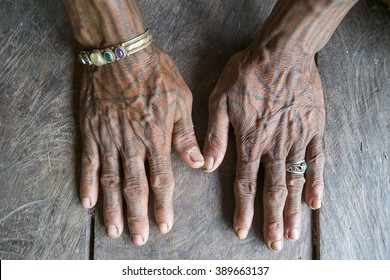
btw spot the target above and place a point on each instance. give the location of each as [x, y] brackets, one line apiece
[315, 159]
[216, 141]
[184, 139]
[294, 183]
[163, 185]
[111, 183]
[245, 185]
[90, 171]
[274, 196]
[136, 193]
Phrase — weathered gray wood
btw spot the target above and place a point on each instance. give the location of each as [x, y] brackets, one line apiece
[201, 36]
[355, 68]
[40, 213]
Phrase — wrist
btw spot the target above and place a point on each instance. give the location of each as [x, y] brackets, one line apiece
[107, 35]
[98, 23]
[300, 28]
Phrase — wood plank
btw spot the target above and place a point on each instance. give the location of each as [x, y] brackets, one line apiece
[201, 36]
[40, 213]
[356, 76]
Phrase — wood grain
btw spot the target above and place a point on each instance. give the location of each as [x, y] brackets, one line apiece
[40, 213]
[201, 36]
[356, 75]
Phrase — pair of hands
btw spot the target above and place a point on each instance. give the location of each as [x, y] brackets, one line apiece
[134, 109]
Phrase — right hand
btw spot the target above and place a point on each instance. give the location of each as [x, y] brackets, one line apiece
[278, 116]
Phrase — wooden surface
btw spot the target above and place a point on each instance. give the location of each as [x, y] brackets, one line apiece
[355, 69]
[40, 212]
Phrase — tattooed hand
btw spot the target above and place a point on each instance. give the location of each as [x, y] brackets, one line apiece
[132, 110]
[277, 113]
[272, 95]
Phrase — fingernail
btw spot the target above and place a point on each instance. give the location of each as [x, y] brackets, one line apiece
[196, 156]
[316, 203]
[277, 246]
[242, 233]
[293, 234]
[137, 239]
[86, 202]
[112, 231]
[162, 227]
[208, 163]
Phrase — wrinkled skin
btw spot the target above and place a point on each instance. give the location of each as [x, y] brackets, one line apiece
[132, 110]
[275, 104]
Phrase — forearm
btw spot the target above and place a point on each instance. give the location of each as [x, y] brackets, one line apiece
[100, 23]
[302, 27]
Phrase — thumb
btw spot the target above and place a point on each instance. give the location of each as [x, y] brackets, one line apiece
[216, 141]
[184, 140]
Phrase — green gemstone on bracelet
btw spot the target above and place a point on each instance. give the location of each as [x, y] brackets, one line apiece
[97, 58]
[109, 55]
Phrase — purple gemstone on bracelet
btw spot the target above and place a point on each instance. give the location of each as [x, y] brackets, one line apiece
[119, 52]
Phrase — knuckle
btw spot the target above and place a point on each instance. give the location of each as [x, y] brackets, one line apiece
[110, 181]
[134, 191]
[294, 212]
[162, 181]
[277, 195]
[111, 161]
[317, 184]
[110, 211]
[246, 188]
[134, 219]
[275, 224]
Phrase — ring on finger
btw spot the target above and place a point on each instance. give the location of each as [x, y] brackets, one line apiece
[296, 167]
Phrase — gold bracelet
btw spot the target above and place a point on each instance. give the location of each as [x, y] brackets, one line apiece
[116, 52]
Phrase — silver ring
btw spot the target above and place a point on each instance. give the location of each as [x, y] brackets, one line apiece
[296, 167]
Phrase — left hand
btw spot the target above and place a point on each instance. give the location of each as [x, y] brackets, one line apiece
[276, 108]
[133, 110]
